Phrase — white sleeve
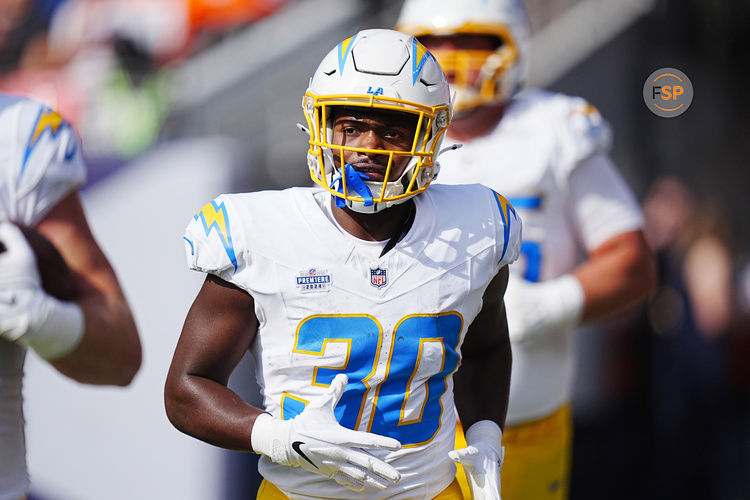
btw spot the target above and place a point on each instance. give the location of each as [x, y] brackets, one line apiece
[211, 239]
[583, 133]
[45, 163]
[508, 232]
[603, 204]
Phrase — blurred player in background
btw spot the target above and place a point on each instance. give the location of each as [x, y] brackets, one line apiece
[358, 298]
[550, 153]
[90, 336]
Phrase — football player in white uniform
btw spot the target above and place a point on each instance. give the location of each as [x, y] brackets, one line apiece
[549, 153]
[359, 298]
[90, 338]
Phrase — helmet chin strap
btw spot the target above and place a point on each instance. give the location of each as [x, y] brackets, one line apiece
[355, 181]
[393, 188]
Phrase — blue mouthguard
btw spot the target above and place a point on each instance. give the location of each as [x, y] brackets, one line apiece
[354, 183]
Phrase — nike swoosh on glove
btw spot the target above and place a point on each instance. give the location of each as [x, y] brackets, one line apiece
[538, 309]
[482, 459]
[315, 441]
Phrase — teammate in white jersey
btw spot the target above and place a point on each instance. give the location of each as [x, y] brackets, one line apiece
[549, 153]
[359, 299]
[92, 338]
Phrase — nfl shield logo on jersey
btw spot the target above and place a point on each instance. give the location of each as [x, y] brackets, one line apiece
[378, 277]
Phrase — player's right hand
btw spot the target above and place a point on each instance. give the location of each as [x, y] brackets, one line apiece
[315, 441]
[28, 315]
[21, 294]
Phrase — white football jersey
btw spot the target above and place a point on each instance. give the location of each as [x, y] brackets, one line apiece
[548, 155]
[328, 303]
[40, 163]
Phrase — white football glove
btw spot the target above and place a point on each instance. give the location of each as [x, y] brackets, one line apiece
[537, 309]
[28, 315]
[315, 441]
[482, 459]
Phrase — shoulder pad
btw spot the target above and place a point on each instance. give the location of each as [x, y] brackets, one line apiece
[209, 244]
[585, 132]
[44, 158]
[509, 231]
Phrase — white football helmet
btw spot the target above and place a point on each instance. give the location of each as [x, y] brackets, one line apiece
[382, 70]
[502, 72]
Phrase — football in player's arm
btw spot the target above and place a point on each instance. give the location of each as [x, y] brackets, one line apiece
[359, 298]
[91, 338]
[84, 327]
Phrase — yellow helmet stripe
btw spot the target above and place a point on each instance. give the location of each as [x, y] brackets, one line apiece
[345, 48]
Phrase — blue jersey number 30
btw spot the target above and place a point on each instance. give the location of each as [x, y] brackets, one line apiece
[423, 354]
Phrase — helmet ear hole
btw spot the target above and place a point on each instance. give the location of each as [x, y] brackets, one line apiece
[497, 42]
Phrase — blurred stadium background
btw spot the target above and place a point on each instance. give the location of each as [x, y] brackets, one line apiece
[180, 100]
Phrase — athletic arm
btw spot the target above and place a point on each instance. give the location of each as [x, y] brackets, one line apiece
[616, 276]
[482, 383]
[218, 330]
[109, 351]
[619, 270]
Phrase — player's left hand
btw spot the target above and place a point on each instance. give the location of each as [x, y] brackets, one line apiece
[482, 459]
[538, 309]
